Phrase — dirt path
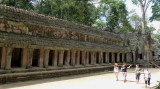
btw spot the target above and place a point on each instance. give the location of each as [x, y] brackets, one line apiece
[101, 80]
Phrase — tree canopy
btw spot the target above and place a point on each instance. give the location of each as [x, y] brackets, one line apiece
[155, 10]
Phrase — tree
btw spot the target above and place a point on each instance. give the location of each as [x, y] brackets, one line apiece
[155, 10]
[144, 4]
[135, 21]
[24, 4]
[116, 15]
[145, 38]
[80, 11]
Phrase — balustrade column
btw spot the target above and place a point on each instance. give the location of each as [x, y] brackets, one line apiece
[113, 57]
[55, 58]
[83, 57]
[41, 57]
[87, 57]
[73, 56]
[60, 60]
[118, 57]
[107, 57]
[100, 57]
[6, 57]
[77, 57]
[92, 58]
[30, 58]
[24, 57]
[123, 57]
[46, 58]
[68, 57]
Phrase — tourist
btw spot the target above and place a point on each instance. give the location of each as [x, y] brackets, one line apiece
[147, 77]
[138, 73]
[116, 70]
[124, 70]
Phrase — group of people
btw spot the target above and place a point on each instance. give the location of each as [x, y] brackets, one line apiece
[138, 72]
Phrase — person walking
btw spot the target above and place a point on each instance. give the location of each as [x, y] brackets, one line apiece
[116, 70]
[138, 73]
[124, 70]
[147, 77]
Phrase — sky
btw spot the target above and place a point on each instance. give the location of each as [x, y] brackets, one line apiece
[130, 6]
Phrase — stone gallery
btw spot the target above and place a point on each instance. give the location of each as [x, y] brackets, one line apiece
[35, 46]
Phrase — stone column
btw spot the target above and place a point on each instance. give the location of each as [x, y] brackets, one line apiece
[46, 58]
[55, 58]
[100, 57]
[60, 60]
[107, 57]
[77, 57]
[24, 57]
[118, 57]
[30, 57]
[83, 57]
[87, 58]
[41, 57]
[68, 57]
[113, 57]
[122, 57]
[92, 58]
[3, 57]
[6, 57]
[134, 56]
[128, 57]
[73, 54]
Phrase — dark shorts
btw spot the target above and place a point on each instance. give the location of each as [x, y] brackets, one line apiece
[137, 76]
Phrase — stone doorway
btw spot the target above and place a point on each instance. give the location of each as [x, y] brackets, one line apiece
[16, 57]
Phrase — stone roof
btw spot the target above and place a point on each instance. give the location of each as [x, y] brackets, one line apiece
[20, 15]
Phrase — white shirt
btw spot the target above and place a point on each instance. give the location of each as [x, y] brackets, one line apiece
[116, 69]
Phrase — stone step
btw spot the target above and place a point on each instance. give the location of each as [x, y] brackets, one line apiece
[24, 76]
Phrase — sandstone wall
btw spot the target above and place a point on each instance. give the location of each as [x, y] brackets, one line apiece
[45, 31]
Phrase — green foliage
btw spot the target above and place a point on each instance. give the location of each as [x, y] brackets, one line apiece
[117, 16]
[150, 29]
[157, 36]
[135, 21]
[155, 10]
[24, 4]
[73, 10]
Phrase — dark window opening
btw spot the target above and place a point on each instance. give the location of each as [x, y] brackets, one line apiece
[97, 58]
[140, 56]
[51, 57]
[36, 55]
[104, 57]
[120, 57]
[65, 57]
[110, 57]
[80, 57]
[115, 57]
[89, 57]
[16, 57]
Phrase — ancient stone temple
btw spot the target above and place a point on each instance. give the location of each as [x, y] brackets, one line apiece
[32, 43]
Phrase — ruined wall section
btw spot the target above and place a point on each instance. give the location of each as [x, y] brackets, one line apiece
[31, 24]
